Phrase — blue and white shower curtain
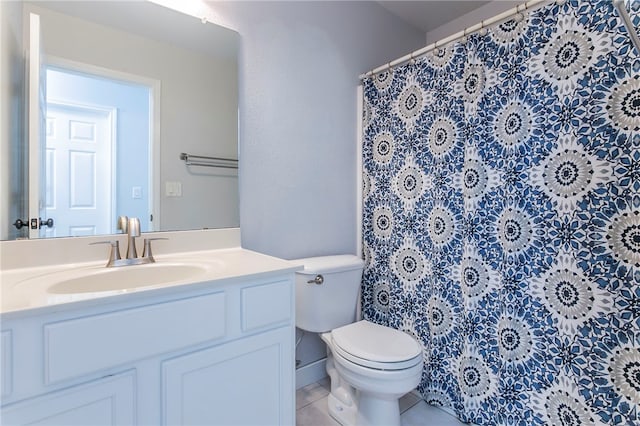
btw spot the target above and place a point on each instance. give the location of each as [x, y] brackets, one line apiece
[502, 217]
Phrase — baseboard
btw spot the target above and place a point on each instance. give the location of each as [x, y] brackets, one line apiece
[311, 373]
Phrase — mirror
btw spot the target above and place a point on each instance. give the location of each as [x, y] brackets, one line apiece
[183, 75]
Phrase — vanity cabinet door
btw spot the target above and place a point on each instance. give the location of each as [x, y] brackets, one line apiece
[246, 382]
[6, 351]
[108, 401]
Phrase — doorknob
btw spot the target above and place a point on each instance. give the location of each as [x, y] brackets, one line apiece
[19, 223]
[48, 223]
[35, 223]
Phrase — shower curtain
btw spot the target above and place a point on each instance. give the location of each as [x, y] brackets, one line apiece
[501, 217]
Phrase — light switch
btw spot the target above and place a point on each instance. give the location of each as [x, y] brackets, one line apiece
[136, 192]
[173, 189]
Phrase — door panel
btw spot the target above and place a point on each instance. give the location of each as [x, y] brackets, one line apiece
[80, 140]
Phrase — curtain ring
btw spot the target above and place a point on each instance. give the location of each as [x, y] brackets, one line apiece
[483, 29]
[464, 38]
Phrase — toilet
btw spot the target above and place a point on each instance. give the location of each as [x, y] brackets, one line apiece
[370, 366]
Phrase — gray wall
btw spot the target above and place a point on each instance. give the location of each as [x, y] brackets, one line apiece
[299, 69]
[299, 65]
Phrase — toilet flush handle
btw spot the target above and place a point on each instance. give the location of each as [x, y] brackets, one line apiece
[319, 279]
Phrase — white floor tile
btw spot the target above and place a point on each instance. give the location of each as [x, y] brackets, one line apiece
[325, 383]
[315, 414]
[423, 414]
[408, 401]
[312, 410]
[310, 394]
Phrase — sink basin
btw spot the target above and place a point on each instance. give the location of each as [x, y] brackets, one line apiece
[120, 278]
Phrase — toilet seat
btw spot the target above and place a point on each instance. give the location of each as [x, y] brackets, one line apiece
[375, 346]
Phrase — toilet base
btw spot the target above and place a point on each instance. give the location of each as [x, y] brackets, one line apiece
[343, 414]
[376, 411]
[351, 406]
[369, 411]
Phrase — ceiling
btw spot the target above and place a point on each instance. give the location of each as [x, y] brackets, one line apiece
[428, 15]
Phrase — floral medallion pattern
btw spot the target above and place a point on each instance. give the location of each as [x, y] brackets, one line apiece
[501, 217]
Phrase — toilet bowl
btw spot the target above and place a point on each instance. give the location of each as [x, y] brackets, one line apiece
[370, 366]
[374, 366]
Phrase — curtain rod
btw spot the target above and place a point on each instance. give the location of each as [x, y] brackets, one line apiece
[530, 5]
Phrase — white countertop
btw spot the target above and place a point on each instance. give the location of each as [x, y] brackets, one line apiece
[26, 289]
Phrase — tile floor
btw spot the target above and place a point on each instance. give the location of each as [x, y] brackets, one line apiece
[311, 409]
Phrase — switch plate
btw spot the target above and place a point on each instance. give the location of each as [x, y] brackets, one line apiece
[136, 192]
[173, 189]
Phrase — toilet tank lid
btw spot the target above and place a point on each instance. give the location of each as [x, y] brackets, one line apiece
[328, 264]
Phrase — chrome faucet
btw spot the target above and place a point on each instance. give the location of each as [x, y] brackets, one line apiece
[132, 227]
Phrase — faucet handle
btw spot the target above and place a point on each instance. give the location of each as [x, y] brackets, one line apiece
[147, 248]
[133, 227]
[114, 253]
[123, 223]
[133, 231]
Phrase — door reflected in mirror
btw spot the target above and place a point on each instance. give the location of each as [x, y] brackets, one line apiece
[106, 157]
[98, 150]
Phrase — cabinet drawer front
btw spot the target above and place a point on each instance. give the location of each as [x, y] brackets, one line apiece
[6, 365]
[85, 345]
[266, 305]
[109, 401]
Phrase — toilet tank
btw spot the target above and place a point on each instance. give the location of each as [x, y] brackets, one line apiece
[330, 299]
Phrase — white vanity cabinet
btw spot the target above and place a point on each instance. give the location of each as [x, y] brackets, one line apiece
[107, 401]
[215, 353]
